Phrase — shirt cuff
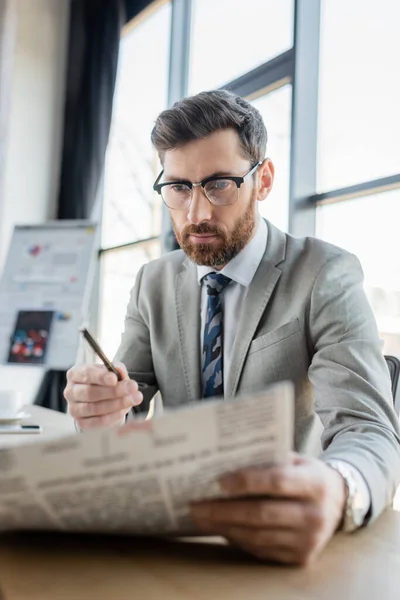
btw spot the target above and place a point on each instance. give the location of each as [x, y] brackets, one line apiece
[362, 487]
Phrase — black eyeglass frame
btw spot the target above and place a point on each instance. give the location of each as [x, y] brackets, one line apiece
[157, 187]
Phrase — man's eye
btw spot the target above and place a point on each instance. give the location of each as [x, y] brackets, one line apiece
[219, 185]
[180, 188]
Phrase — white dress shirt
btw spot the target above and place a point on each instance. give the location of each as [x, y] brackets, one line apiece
[241, 270]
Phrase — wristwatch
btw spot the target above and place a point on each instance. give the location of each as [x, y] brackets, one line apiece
[354, 510]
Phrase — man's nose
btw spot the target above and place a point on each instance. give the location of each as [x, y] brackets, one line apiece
[200, 209]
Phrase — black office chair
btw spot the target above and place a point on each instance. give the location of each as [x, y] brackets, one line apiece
[393, 364]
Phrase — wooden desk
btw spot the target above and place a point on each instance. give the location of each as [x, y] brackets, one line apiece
[44, 566]
[51, 567]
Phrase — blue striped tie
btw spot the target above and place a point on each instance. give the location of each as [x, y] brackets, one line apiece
[212, 369]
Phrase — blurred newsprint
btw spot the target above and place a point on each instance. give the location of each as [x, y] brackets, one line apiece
[142, 482]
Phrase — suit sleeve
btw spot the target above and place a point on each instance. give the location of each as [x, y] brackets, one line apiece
[135, 348]
[351, 380]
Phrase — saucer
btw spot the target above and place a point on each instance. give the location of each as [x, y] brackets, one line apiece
[21, 416]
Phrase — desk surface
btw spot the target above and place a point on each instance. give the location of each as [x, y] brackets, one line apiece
[53, 423]
[50, 567]
[70, 567]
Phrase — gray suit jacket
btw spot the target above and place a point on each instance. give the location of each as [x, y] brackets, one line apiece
[305, 318]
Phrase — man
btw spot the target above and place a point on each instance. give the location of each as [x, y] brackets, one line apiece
[243, 305]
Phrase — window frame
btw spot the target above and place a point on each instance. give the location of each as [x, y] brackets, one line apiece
[298, 66]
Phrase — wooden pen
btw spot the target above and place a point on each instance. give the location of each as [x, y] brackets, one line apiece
[99, 352]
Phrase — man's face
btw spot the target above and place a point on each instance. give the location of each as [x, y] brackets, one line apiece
[213, 235]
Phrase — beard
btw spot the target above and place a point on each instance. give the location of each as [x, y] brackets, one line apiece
[217, 254]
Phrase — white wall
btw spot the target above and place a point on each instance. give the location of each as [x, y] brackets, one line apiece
[32, 111]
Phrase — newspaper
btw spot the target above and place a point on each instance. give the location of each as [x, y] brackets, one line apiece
[143, 482]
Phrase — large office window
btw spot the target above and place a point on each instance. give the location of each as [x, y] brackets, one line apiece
[131, 210]
[366, 226]
[358, 171]
[275, 109]
[119, 270]
[230, 37]
[359, 92]
[338, 179]
[229, 43]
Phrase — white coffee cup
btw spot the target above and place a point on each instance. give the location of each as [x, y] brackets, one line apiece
[9, 403]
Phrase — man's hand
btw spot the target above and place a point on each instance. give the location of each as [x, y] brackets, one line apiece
[97, 399]
[285, 514]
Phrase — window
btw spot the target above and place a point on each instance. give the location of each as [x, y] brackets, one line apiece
[131, 210]
[358, 129]
[359, 92]
[275, 109]
[118, 272]
[358, 132]
[367, 227]
[231, 37]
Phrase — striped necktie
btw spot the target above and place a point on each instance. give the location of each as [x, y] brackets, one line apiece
[212, 362]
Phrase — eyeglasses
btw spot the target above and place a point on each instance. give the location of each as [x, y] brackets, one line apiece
[220, 191]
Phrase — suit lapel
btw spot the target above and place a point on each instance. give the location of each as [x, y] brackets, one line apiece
[187, 302]
[255, 304]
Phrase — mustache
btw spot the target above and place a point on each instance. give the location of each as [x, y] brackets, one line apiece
[202, 229]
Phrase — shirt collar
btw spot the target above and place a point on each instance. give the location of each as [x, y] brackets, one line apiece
[242, 268]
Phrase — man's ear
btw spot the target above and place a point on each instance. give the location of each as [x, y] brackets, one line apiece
[266, 173]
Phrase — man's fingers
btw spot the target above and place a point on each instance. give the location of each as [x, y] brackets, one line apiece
[286, 546]
[102, 421]
[83, 410]
[273, 554]
[252, 513]
[97, 399]
[301, 481]
[283, 548]
[91, 375]
[294, 528]
[79, 392]
[267, 544]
